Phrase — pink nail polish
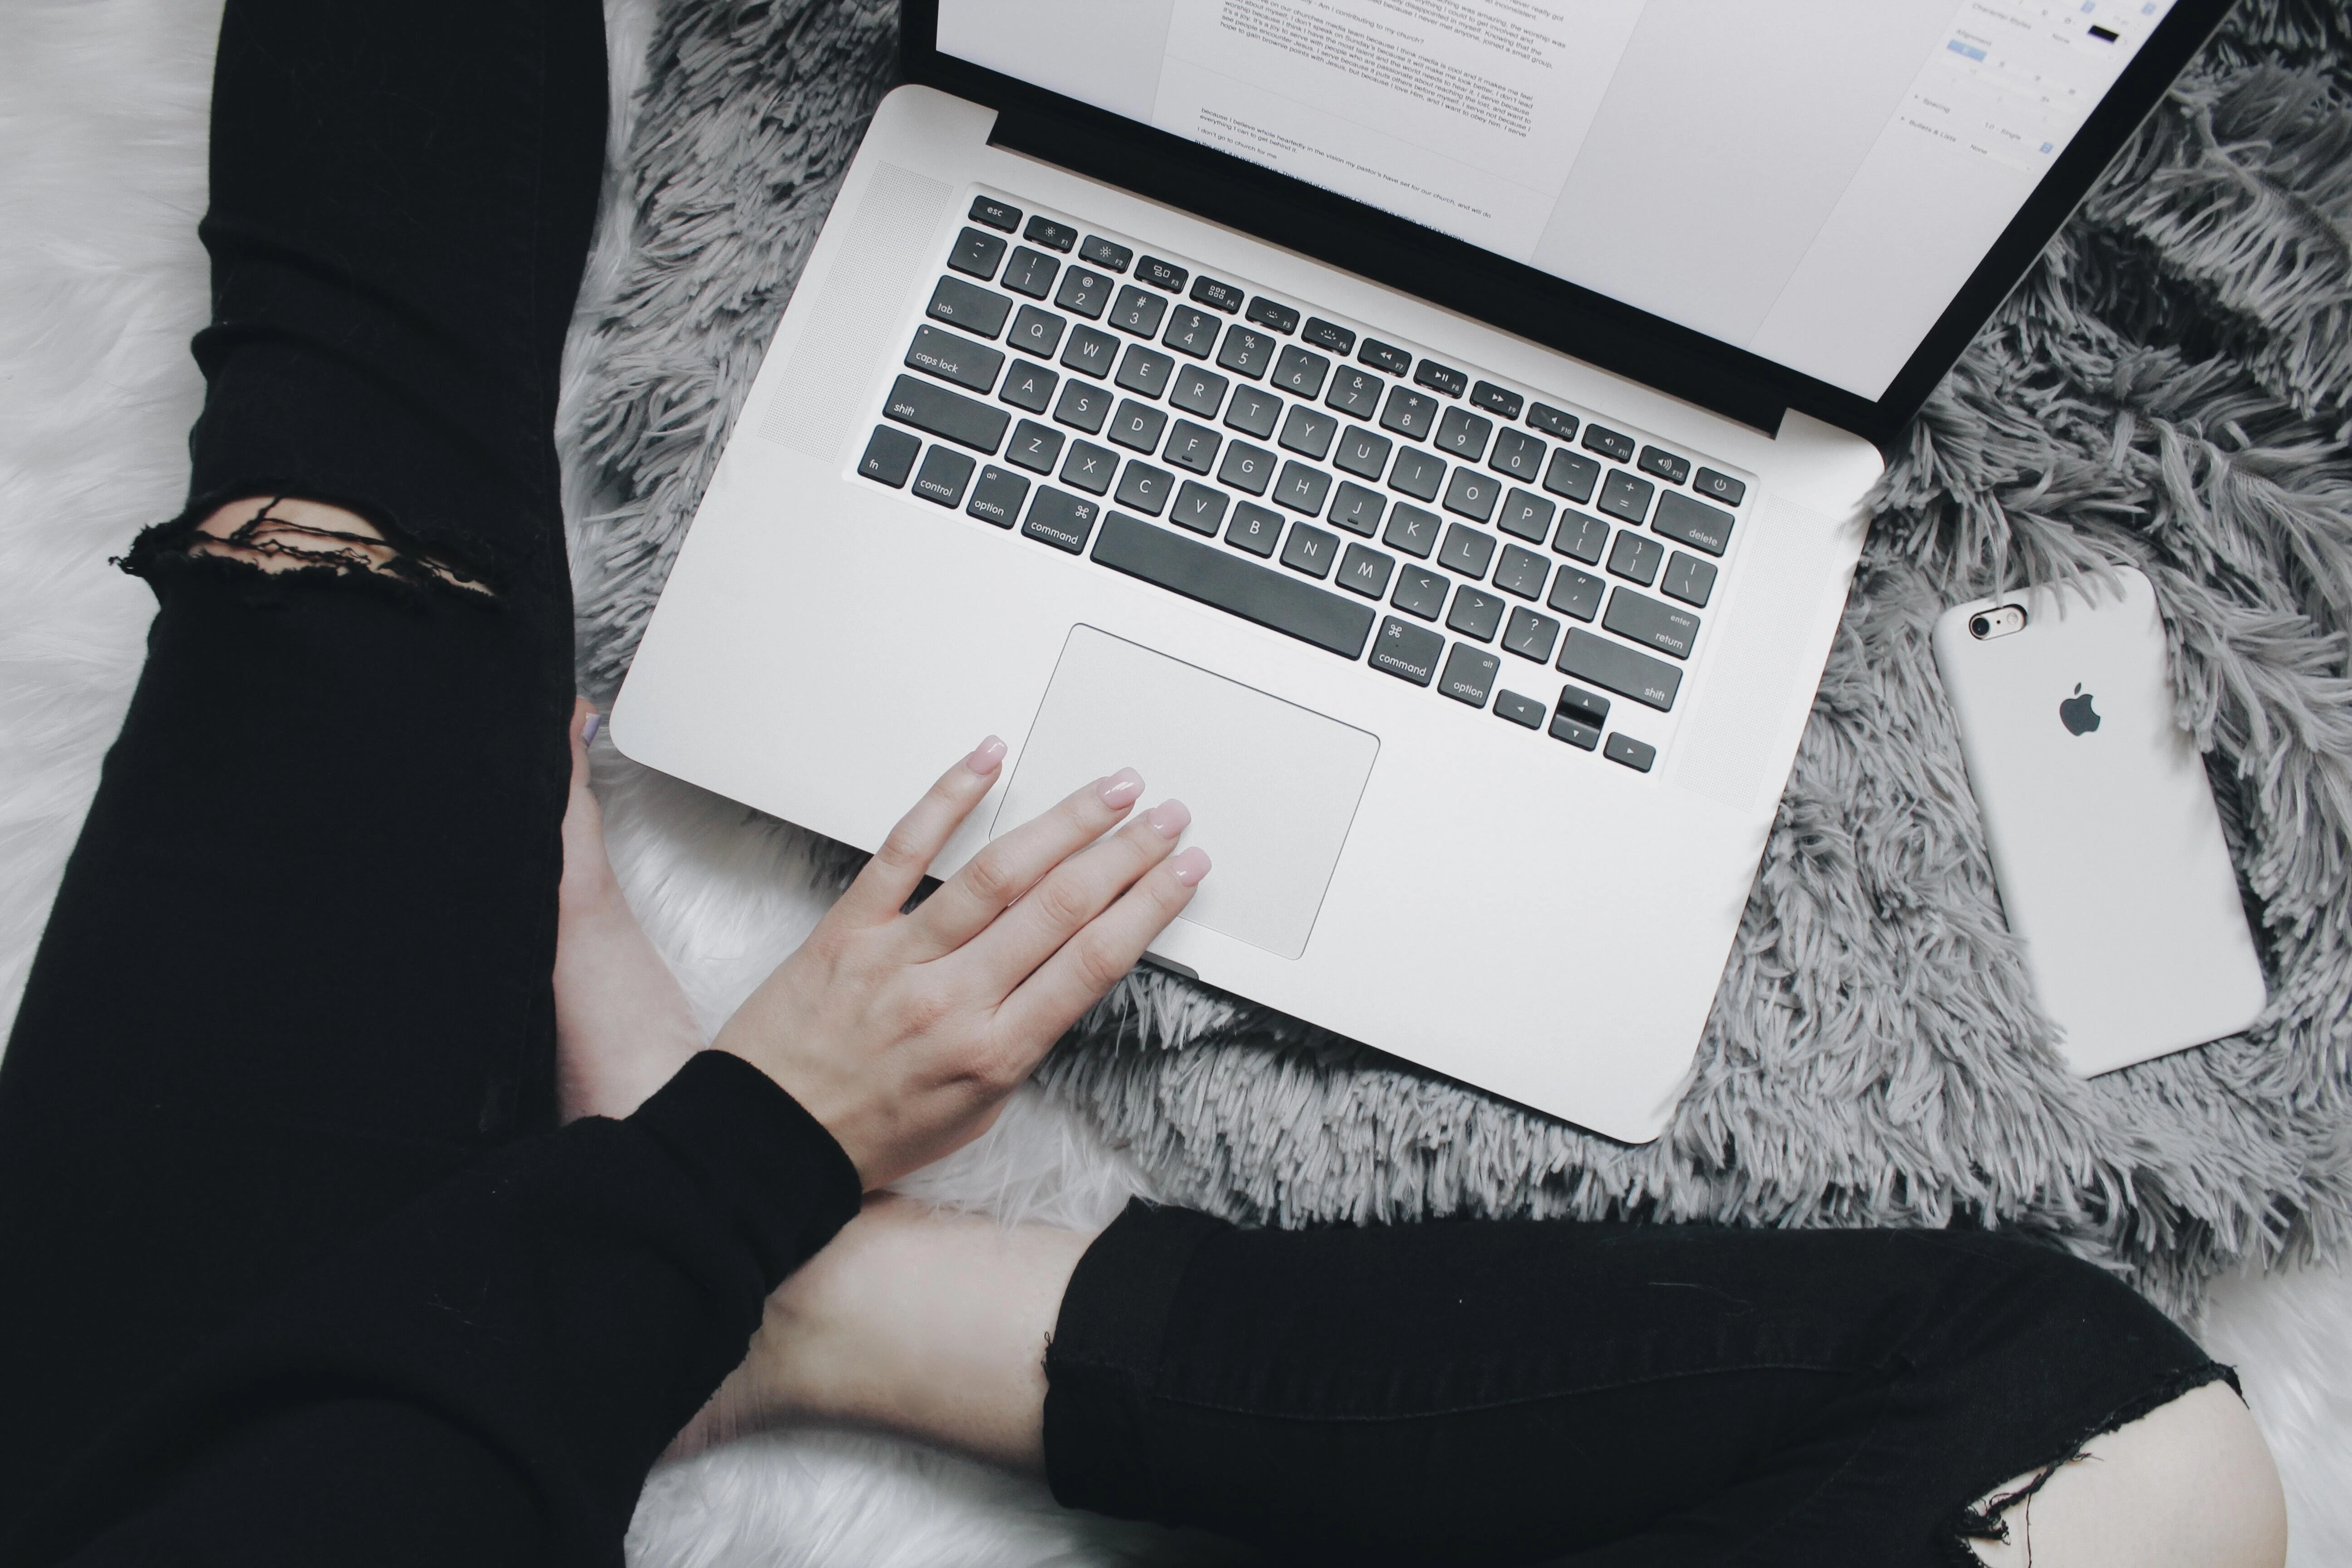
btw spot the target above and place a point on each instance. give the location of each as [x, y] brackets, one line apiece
[986, 756]
[589, 726]
[1190, 866]
[1170, 818]
[1118, 791]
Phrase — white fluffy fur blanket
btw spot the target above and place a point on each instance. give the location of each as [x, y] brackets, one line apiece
[103, 106]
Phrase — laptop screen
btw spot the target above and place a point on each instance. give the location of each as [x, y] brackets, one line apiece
[1812, 181]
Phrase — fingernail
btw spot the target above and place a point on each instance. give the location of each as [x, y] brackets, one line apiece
[589, 726]
[1190, 866]
[1168, 818]
[1118, 791]
[985, 756]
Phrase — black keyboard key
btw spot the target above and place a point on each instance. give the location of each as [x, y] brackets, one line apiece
[953, 357]
[1520, 456]
[1199, 508]
[1329, 335]
[1192, 332]
[1639, 618]
[1272, 316]
[1636, 557]
[1299, 373]
[1160, 274]
[1688, 579]
[1528, 635]
[1037, 331]
[1051, 235]
[1246, 468]
[969, 305]
[1145, 487]
[943, 476]
[1472, 494]
[1525, 516]
[1623, 495]
[1202, 571]
[1090, 468]
[1411, 530]
[1366, 572]
[1035, 447]
[1466, 550]
[1519, 710]
[1031, 272]
[1575, 594]
[1137, 310]
[1665, 465]
[1090, 352]
[995, 213]
[1499, 400]
[1693, 523]
[950, 416]
[1061, 519]
[998, 496]
[1144, 370]
[1589, 708]
[1104, 254]
[1310, 550]
[1720, 487]
[1572, 475]
[1608, 443]
[1409, 413]
[1385, 356]
[1198, 391]
[1417, 473]
[889, 455]
[1582, 536]
[1256, 529]
[1245, 352]
[1253, 410]
[1138, 425]
[1302, 489]
[1475, 613]
[1624, 748]
[1554, 422]
[1461, 435]
[1358, 509]
[1469, 675]
[1441, 378]
[1522, 572]
[1613, 666]
[1420, 592]
[1084, 405]
[1568, 722]
[1363, 453]
[1354, 392]
[1217, 296]
[1309, 430]
[1192, 447]
[1407, 651]
[977, 254]
[1084, 292]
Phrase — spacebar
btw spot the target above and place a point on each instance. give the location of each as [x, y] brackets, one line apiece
[1257, 594]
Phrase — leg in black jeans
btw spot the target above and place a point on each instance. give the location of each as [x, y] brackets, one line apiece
[297, 971]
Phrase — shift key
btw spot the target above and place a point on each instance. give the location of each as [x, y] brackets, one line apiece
[947, 415]
[1612, 665]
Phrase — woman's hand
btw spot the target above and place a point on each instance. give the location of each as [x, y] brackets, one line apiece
[903, 1033]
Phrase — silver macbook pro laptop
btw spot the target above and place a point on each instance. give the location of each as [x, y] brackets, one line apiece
[1428, 437]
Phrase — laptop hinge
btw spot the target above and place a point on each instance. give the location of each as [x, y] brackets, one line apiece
[1273, 207]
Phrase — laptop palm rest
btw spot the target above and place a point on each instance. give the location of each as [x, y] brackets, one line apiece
[1272, 786]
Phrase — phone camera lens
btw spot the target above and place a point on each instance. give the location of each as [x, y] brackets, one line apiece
[1981, 625]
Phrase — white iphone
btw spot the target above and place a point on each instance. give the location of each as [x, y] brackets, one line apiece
[2106, 846]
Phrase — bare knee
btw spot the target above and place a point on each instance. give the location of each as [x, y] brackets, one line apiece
[2189, 1485]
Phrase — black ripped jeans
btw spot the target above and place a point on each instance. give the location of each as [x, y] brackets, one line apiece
[298, 974]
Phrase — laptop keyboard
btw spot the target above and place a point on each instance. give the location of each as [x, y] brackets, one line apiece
[1442, 528]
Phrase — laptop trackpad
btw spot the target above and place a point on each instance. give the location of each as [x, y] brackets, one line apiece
[1272, 786]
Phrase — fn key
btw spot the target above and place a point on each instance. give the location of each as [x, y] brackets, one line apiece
[889, 455]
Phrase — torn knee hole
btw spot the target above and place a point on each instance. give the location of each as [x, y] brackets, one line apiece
[287, 535]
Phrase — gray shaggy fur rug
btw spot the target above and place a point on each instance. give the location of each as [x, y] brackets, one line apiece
[2169, 387]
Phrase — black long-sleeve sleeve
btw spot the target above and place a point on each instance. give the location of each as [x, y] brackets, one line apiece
[487, 1377]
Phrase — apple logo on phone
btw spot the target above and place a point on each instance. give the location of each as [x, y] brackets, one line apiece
[2077, 712]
